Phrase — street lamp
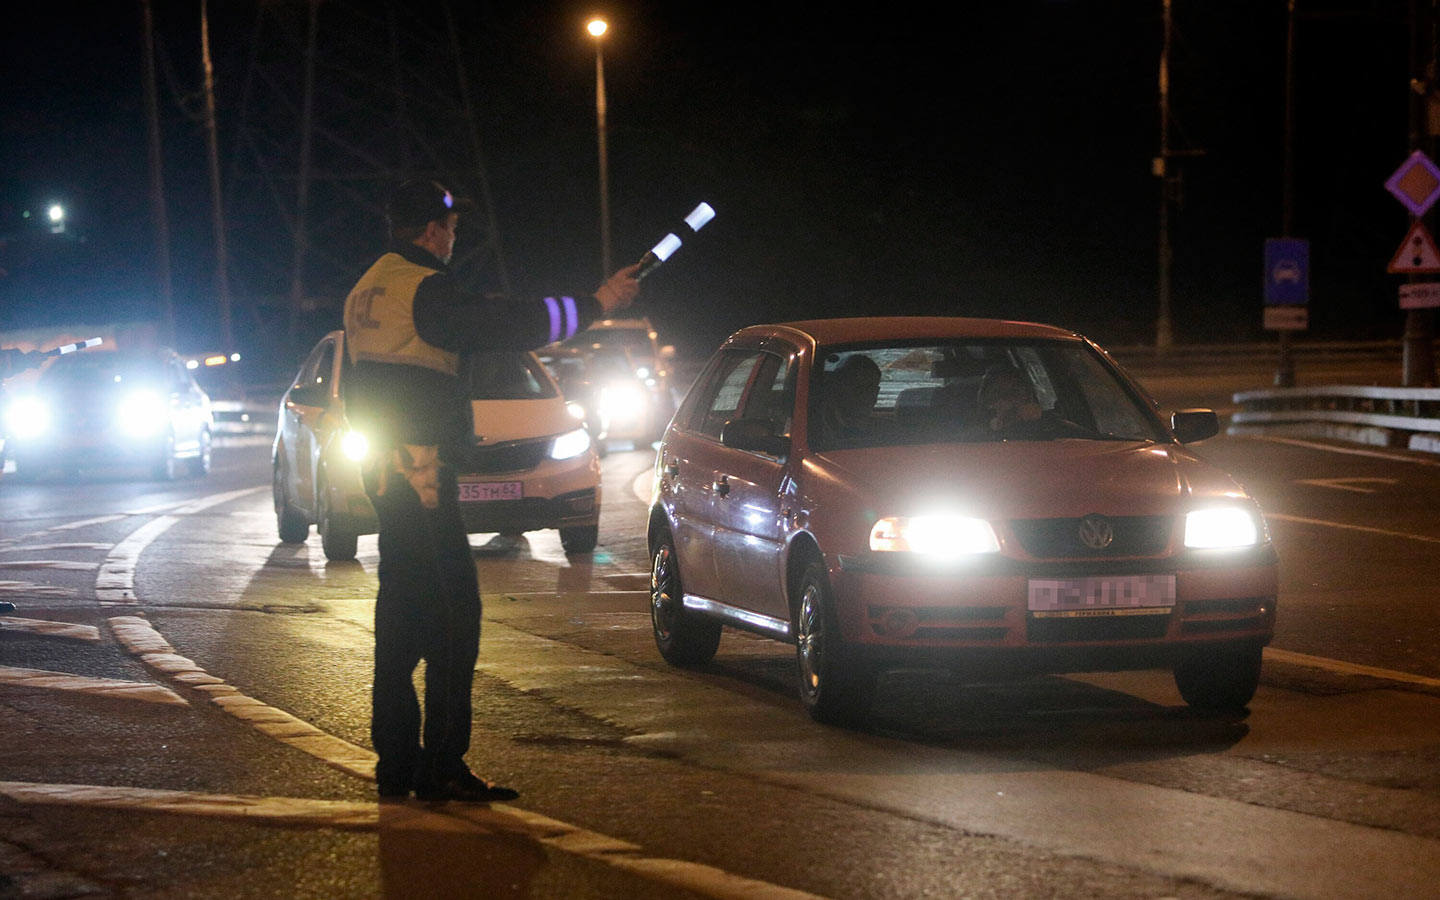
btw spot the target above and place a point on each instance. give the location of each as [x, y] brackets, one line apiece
[597, 28]
[56, 215]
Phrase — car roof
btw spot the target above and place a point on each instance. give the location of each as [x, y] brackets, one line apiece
[882, 328]
[623, 323]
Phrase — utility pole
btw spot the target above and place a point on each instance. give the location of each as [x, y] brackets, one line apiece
[1418, 341]
[1164, 332]
[157, 181]
[217, 209]
[1285, 368]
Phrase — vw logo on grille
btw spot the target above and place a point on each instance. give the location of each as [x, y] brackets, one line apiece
[1096, 533]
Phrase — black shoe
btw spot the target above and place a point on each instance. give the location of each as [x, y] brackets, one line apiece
[466, 788]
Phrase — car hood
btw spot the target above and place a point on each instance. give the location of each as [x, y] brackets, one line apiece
[498, 421]
[1025, 479]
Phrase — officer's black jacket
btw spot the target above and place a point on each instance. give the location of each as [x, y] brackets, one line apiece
[392, 403]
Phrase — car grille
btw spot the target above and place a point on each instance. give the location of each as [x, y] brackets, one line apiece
[1060, 538]
[514, 457]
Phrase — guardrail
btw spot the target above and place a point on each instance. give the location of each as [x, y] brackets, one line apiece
[1383, 416]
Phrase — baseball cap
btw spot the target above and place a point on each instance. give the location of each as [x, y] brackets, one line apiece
[420, 201]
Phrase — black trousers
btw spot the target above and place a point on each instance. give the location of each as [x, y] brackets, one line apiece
[428, 608]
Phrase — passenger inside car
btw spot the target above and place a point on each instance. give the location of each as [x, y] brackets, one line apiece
[847, 408]
[1008, 401]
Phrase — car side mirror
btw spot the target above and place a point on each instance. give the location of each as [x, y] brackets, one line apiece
[310, 395]
[1191, 425]
[756, 435]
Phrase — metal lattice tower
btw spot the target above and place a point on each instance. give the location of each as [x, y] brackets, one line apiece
[341, 101]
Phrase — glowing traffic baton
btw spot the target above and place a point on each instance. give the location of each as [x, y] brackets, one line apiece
[71, 348]
[670, 243]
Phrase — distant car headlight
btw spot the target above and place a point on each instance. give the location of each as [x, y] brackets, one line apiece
[355, 445]
[939, 536]
[143, 413]
[27, 417]
[570, 444]
[622, 402]
[575, 410]
[1225, 526]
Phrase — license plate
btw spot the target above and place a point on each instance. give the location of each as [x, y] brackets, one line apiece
[480, 491]
[1132, 595]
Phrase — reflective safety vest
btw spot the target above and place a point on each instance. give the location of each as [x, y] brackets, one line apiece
[380, 317]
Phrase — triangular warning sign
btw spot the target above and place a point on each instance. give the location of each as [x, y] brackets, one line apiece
[1417, 253]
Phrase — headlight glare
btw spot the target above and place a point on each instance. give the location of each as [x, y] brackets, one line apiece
[935, 535]
[570, 444]
[575, 410]
[143, 412]
[355, 445]
[1226, 526]
[27, 417]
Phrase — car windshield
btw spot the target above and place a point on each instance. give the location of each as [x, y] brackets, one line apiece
[507, 376]
[876, 395]
[636, 340]
[94, 370]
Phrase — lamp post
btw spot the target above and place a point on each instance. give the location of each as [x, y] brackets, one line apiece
[597, 28]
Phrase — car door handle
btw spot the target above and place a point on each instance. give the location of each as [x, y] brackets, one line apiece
[722, 487]
[672, 468]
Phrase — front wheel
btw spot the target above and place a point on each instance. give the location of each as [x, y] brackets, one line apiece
[1225, 680]
[200, 463]
[292, 526]
[164, 467]
[836, 685]
[682, 637]
[338, 541]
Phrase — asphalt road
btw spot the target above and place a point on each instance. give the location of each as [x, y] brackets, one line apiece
[201, 728]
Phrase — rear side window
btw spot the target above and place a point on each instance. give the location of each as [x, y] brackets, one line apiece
[719, 399]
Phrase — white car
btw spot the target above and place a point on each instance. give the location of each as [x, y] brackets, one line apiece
[533, 465]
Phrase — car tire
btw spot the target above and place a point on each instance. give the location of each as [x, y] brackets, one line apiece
[292, 526]
[164, 468]
[200, 465]
[580, 539]
[338, 542]
[1226, 680]
[683, 638]
[836, 685]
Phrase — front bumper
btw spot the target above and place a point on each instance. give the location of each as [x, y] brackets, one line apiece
[97, 450]
[899, 613]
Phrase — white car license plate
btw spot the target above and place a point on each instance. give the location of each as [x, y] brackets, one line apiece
[479, 491]
[1118, 595]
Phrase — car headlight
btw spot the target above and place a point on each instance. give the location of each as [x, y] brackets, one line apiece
[623, 401]
[575, 410]
[143, 412]
[937, 535]
[570, 444]
[27, 417]
[1224, 526]
[355, 445]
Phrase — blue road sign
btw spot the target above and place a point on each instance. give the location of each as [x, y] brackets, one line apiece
[1287, 272]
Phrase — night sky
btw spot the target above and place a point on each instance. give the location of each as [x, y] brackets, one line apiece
[890, 161]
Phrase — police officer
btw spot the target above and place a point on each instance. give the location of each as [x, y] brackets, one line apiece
[407, 322]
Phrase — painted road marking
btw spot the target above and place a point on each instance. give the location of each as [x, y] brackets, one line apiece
[701, 879]
[1301, 520]
[1347, 668]
[1351, 451]
[65, 564]
[79, 545]
[141, 639]
[31, 589]
[51, 629]
[1349, 484]
[81, 684]
[115, 584]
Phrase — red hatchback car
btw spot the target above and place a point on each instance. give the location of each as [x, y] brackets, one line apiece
[995, 498]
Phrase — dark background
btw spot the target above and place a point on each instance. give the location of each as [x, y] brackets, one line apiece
[983, 159]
